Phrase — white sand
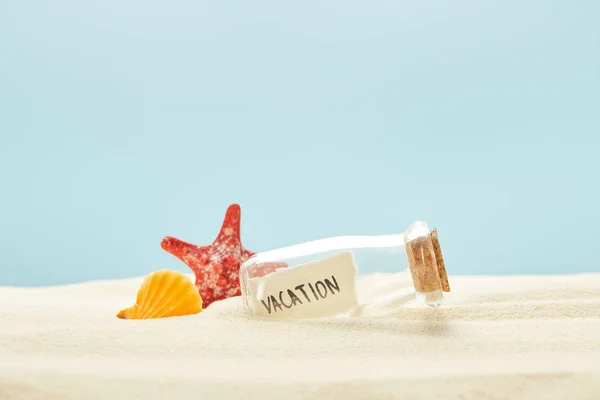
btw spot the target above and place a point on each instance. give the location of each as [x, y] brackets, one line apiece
[495, 338]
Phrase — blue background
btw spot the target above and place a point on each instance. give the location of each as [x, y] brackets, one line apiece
[123, 122]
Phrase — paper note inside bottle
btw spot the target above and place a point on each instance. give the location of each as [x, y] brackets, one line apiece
[317, 289]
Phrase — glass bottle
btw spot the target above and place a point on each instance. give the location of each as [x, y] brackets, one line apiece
[320, 278]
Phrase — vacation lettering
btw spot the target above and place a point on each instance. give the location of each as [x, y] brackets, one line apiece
[293, 297]
[324, 287]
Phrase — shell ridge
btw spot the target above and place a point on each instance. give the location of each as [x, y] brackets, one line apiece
[159, 310]
[160, 291]
[180, 297]
[146, 290]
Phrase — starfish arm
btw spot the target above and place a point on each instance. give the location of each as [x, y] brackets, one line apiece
[178, 248]
[247, 253]
[231, 224]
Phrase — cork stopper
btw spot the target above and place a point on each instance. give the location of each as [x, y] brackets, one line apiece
[425, 259]
[440, 261]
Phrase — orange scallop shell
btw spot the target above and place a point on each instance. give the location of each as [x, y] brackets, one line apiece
[164, 294]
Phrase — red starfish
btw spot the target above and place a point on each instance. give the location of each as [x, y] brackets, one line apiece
[217, 265]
